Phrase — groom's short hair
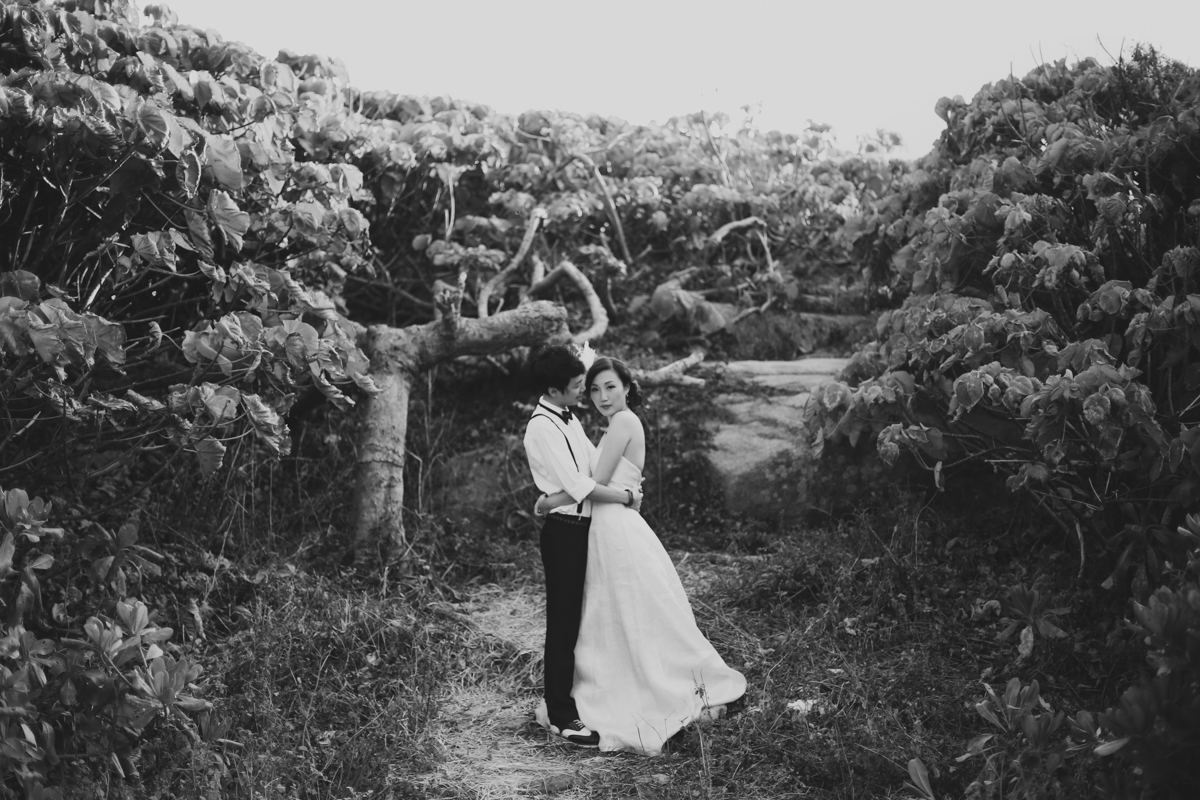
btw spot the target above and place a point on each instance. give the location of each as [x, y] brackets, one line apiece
[554, 366]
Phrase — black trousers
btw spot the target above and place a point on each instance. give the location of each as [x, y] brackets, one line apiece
[564, 555]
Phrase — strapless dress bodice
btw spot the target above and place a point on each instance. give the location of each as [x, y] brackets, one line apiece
[627, 475]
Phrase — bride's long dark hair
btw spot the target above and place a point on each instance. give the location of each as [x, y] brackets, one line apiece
[634, 398]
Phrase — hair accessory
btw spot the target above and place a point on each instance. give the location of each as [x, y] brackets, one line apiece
[587, 355]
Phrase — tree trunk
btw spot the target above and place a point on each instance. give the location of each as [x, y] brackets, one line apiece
[379, 491]
[398, 355]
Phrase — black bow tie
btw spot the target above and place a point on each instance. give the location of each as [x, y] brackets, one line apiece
[565, 413]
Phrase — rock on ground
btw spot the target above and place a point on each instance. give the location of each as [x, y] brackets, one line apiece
[780, 335]
[759, 455]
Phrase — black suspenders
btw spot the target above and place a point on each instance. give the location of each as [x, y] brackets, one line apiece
[567, 439]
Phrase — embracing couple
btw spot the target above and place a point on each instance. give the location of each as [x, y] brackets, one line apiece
[625, 665]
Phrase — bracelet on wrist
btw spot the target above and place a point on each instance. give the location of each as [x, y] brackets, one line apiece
[629, 495]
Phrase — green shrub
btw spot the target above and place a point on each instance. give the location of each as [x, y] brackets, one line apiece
[78, 686]
[1047, 254]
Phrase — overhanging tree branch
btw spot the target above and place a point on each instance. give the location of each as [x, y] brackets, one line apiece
[398, 355]
[595, 307]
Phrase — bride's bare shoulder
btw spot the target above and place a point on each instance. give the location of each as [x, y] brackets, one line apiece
[626, 421]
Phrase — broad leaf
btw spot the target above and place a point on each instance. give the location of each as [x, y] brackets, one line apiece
[308, 218]
[920, 777]
[198, 230]
[267, 424]
[108, 338]
[211, 454]
[1108, 748]
[230, 220]
[153, 124]
[7, 548]
[220, 401]
[156, 248]
[222, 155]
[20, 283]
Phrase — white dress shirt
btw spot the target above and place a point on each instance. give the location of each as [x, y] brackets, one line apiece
[559, 456]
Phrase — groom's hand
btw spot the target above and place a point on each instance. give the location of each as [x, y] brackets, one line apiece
[637, 499]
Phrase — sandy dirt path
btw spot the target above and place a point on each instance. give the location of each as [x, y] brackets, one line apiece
[490, 746]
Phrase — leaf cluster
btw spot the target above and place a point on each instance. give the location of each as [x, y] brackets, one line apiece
[470, 183]
[165, 222]
[1047, 254]
[77, 686]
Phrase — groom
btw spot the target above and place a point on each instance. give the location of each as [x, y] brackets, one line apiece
[559, 454]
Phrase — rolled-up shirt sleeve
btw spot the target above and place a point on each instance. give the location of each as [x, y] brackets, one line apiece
[551, 463]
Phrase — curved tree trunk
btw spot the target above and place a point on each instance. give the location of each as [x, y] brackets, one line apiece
[398, 355]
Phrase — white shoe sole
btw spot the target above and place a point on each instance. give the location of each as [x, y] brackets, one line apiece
[569, 740]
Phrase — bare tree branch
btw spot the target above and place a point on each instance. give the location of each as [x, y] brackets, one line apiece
[595, 307]
[500, 278]
[723, 231]
[672, 374]
[610, 205]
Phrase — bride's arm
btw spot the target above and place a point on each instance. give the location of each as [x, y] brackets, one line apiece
[623, 428]
[601, 494]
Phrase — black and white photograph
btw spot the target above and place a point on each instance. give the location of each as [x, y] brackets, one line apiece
[760, 400]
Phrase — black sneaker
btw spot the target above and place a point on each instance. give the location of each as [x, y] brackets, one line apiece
[577, 733]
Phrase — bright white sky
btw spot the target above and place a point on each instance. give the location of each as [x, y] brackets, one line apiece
[857, 66]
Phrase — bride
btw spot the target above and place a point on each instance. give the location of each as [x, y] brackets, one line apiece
[643, 670]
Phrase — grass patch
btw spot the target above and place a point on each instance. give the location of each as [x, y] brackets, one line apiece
[324, 688]
[864, 646]
[866, 642]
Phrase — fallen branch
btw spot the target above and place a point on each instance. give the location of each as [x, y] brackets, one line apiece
[595, 307]
[723, 231]
[500, 278]
[672, 374]
[745, 312]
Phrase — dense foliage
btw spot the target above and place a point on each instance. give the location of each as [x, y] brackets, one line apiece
[186, 226]
[1049, 253]
[157, 226]
[458, 187]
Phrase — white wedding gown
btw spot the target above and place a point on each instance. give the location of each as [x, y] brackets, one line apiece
[643, 670]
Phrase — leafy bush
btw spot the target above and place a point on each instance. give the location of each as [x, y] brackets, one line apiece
[159, 225]
[1047, 251]
[94, 687]
[458, 186]
[151, 164]
[1154, 729]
